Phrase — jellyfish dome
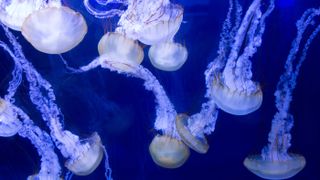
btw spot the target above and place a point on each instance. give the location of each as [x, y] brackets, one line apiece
[120, 52]
[14, 12]
[54, 30]
[151, 21]
[168, 56]
[199, 144]
[234, 101]
[165, 28]
[9, 123]
[168, 152]
[90, 158]
[275, 169]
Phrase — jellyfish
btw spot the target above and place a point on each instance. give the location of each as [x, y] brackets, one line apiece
[120, 51]
[168, 56]
[83, 156]
[151, 21]
[275, 162]
[54, 30]
[105, 8]
[232, 88]
[155, 23]
[14, 12]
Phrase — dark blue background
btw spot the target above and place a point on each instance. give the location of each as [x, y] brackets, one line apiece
[122, 111]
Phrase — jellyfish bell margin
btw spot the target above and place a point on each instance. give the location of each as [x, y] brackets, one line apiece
[120, 51]
[168, 152]
[54, 30]
[275, 169]
[234, 101]
[198, 144]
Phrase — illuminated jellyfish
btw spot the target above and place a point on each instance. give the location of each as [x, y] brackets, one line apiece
[232, 88]
[155, 23]
[83, 156]
[104, 8]
[54, 30]
[14, 12]
[168, 56]
[119, 50]
[275, 162]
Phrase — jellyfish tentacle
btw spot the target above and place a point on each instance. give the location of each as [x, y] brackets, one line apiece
[82, 156]
[275, 162]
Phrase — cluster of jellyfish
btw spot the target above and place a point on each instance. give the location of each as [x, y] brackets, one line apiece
[53, 28]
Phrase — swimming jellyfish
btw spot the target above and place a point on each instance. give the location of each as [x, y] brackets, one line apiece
[232, 88]
[54, 30]
[83, 156]
[275, 162]
[120, 51]
[155, 23]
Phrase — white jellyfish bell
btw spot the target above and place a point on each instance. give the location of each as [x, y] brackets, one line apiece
[54, 30]
[168, 56]
[163, 29]
[121, 52]
[168, 152]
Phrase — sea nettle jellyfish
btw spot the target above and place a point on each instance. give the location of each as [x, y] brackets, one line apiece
[155, 22]
[120, 51]
[83, 156]
[232, 88]
[275, 162]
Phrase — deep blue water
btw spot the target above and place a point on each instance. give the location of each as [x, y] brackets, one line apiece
[123, 112]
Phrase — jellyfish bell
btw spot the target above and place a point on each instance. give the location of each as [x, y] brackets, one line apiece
[168, 56]
[275, 169]
[54, 30]
[168, 152]
[9, 123]
[164, 28]
[90, 158]
[234, 101]
[198, 144]
[119, 51]
[14, 12]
